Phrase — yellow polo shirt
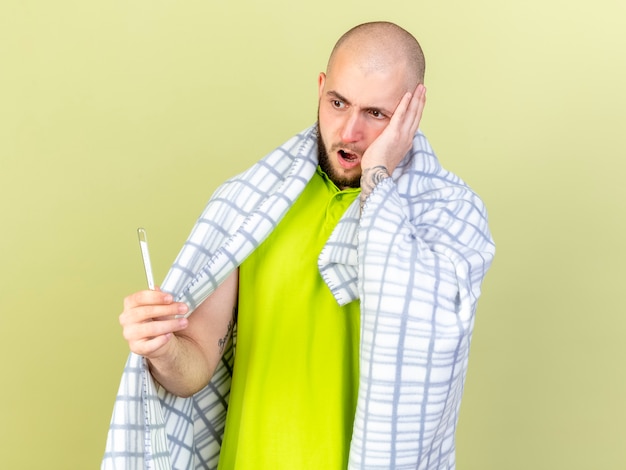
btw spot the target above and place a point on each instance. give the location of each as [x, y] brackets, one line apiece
[294, 389]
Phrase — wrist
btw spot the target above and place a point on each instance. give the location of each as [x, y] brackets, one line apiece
[370, 178]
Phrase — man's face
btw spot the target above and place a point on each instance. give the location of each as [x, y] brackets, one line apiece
[355, 106]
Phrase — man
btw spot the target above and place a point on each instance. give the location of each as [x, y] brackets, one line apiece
[352, 318]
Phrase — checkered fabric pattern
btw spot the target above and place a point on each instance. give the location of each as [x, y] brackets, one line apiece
[415, 256]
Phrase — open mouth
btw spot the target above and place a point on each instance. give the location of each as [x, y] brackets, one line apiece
[347, 156]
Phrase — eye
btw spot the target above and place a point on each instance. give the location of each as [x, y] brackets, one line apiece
[376, 114]
[338, 104]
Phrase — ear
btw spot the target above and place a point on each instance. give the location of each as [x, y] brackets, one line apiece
[320, 83]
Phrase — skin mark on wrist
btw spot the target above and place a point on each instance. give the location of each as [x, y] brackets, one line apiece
[370, 179]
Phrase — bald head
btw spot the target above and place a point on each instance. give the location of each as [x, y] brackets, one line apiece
[380, 46]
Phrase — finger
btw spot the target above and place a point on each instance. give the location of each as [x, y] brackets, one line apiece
[400, 112]
[153, 336]
[148, 348]
[138, 332]
[416, 106]
[146, 313]
[147, 297]
[410, 113]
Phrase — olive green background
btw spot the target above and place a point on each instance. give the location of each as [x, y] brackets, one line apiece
[118, 114]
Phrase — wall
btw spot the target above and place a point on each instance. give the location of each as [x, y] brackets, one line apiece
[120, 114]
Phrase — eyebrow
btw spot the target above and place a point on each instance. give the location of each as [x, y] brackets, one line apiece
[334, 94]
[339, 96]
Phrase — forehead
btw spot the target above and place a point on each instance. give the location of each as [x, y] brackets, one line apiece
[366, 82]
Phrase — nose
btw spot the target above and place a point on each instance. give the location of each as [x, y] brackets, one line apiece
[352, 130]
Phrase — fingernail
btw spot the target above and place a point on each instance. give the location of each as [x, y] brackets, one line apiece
[168, 298]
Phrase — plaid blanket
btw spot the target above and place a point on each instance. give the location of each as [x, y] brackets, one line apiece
[415, 256]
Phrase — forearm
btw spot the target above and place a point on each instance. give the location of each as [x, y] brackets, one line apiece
[370, 179]
[411, 246]
[436, 244]
[416, 323]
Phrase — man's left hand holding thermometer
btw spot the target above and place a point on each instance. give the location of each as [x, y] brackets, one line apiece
[149, 316]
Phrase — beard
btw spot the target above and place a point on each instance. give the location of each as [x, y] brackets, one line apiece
[341, 181]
